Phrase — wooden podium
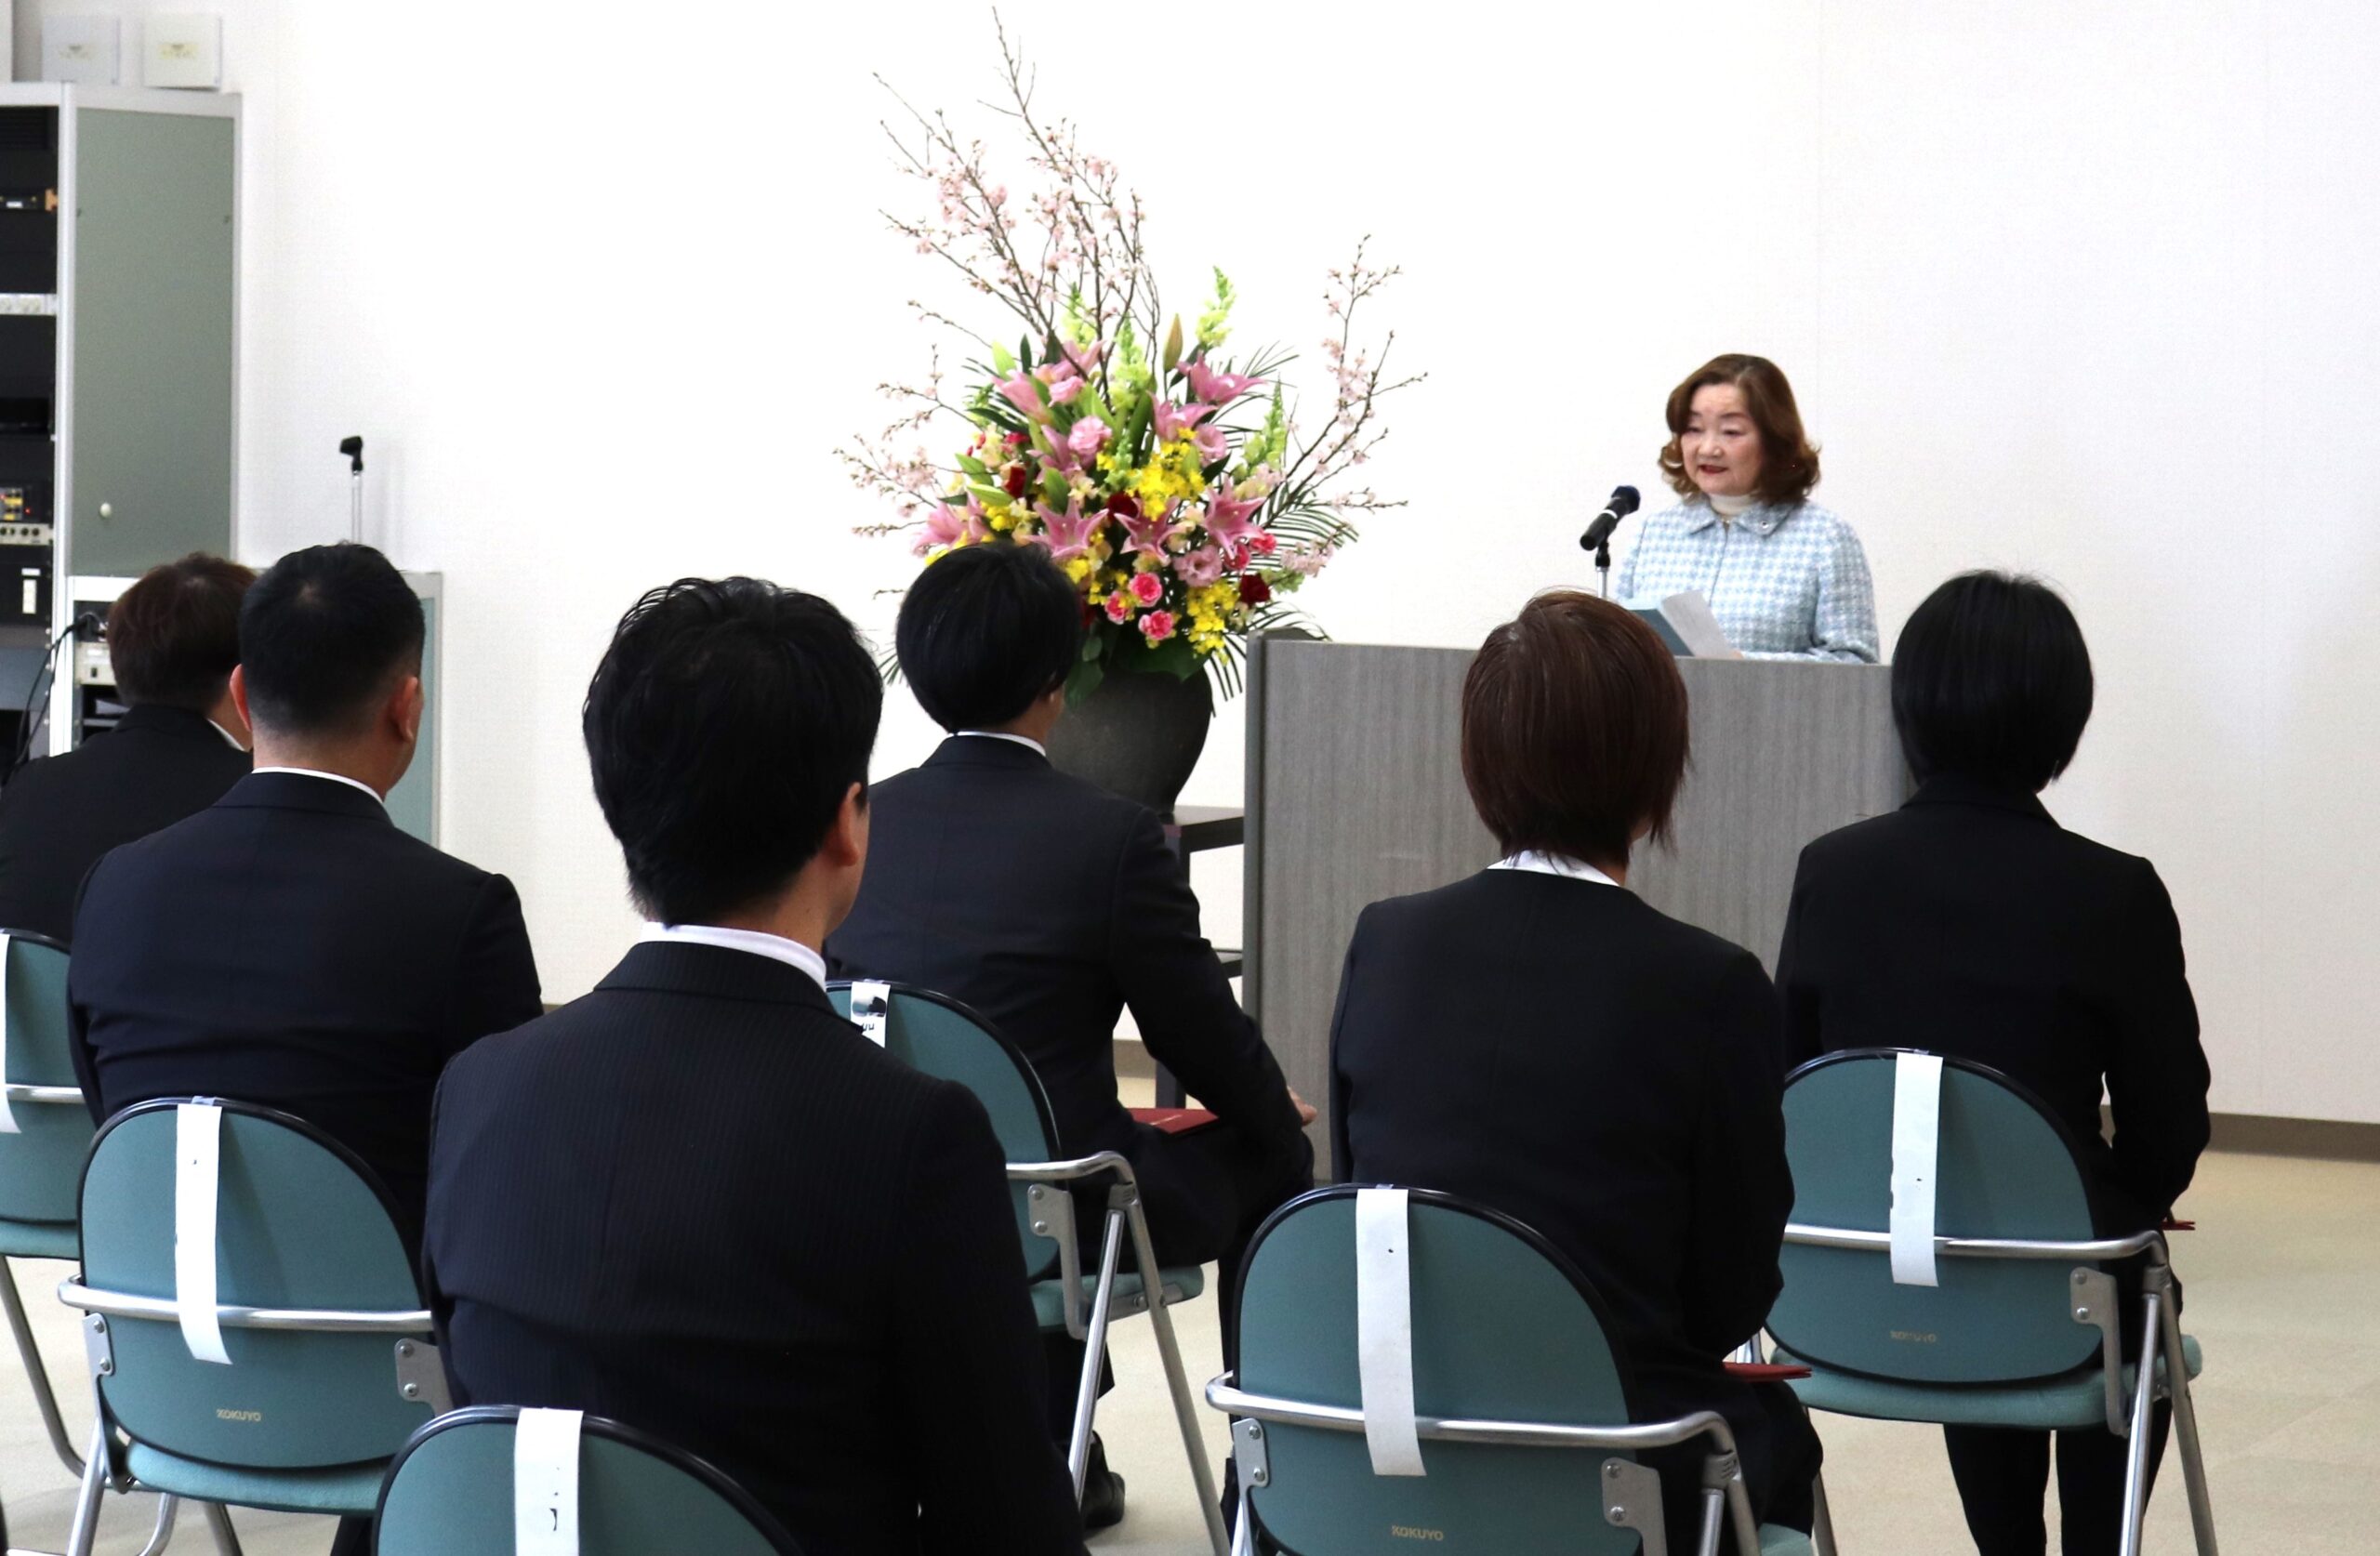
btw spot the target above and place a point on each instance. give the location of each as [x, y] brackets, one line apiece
[1356, 792]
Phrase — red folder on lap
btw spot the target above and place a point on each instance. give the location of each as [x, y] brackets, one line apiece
[1173, 1121]
[1765, 1372]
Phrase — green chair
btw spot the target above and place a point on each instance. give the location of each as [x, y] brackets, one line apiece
[331, 1369]
[449, 1493]
[1512, 1377]
[944, 1038]
[2023, 1329]
[41, 1166]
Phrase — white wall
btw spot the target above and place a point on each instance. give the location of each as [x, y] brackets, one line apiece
[2078, 289]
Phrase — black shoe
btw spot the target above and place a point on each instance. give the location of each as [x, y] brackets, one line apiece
[1103, 1490]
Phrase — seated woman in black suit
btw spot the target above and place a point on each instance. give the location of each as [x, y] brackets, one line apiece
[1969, 923]
[1539, 1040]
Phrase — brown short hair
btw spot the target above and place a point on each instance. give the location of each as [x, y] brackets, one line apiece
[174, 637]
[1788, 461]
[1574, 729]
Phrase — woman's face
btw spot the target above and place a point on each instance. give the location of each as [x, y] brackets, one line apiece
[1721, 446]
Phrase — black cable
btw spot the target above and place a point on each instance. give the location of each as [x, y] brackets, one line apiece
[36, 712]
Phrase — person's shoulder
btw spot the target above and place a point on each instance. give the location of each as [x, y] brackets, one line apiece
[1677, 944]
[1859, 839]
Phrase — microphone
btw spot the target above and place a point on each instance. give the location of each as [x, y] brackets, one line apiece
[353, 448]
[1623, 503]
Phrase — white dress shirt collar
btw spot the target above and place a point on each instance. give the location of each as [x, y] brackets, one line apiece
[757, 943]
[1026, 741]
[355, 784]
[228, 738]
[1537, 862]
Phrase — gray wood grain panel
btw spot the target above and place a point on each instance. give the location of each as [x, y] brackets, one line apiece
[1356, 792]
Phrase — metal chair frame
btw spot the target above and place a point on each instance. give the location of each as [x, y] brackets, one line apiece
[2094, 1302]
[36, 1374]
[1051, 1215]
[1631, 1490]
[420, 1378]
[1052, 1209]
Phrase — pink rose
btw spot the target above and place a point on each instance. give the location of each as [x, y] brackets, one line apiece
[1088, 437]
[1146, 587]
[1120, 608]
[1157, 625]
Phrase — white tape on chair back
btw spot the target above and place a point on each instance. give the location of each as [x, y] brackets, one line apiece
[198, 1159]
[1917, 1145]
[8, 1113]
[871, 1007]
[1384, 1331]
[545, 1482]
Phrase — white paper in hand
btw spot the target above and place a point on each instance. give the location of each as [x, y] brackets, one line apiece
[1917, 1146]
[198, 1159]
[545, 1484]
[1384, 1331]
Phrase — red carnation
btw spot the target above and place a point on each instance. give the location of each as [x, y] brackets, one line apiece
[1013, 480]
[1253, 590]
[1123, 504]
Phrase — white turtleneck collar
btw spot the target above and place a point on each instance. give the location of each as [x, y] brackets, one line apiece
[1731, 509]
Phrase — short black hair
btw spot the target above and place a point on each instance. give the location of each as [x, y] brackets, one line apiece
[174, 636]
[985, 631]
[324, 637]
[1991, 679]
[724, 726]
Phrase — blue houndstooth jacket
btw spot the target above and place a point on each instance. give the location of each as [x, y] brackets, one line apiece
[1786, 580]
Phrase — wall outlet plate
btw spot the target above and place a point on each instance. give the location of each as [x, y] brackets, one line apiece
[87, 50]
[182, 51]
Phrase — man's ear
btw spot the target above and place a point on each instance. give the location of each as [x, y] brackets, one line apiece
[240, 696]
[846, 841]
[405, 709]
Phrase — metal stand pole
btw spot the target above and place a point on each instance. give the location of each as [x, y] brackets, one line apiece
[1603, 569]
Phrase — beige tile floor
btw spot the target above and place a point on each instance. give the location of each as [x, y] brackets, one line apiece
[2281, 1284]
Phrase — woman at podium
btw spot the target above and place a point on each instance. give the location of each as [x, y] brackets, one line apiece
[1785, 578]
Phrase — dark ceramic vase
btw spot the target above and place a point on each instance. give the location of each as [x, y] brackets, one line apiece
[1138, 734]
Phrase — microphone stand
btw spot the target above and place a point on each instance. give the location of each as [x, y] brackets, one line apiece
[1603, 568]
[353, 448]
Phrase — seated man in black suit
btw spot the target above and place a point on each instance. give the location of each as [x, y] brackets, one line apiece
[288, 945]
[697, 1200]
[173, 638]
[1048, 905]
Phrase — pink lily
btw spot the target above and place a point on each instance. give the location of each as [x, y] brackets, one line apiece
[1230, 522]
[1173, 421]
[1212, 444]
[1148, 536]
[1086, 359]
[948, 526]
[1218, 388]
[1019, 391]
[1067, 534]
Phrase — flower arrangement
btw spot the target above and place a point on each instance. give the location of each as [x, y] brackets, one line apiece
[1170, 481]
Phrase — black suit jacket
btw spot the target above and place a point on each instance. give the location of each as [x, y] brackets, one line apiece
[290, 946]
[1970, 923]
[60, 814]
[699, 1202]
[1560, 1051]
[1048, 904]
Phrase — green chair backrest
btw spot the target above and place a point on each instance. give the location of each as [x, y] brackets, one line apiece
[944, 1039]
[1503, 1329]
[40, 1167]
[300, 1223]
[450, 1494]
[2004, 1169]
